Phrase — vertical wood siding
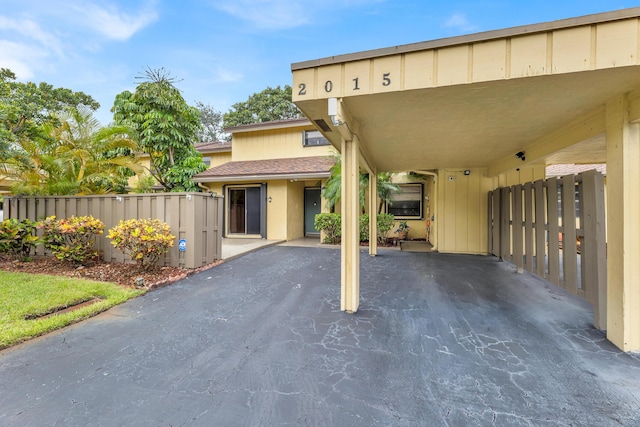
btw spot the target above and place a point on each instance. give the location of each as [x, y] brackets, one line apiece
[555, 228]
[195, 217]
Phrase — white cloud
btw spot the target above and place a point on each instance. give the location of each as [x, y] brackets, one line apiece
[460, 22]
[21, 58]
[112, 23]
[30, 29]
[284, 14]
[227, 76]
[267, 14]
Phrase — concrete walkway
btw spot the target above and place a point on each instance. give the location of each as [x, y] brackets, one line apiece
[235, 247]
[440, 340]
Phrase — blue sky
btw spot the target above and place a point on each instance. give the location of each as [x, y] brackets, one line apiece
[225, 50]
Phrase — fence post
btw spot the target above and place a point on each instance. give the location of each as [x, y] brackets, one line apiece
[516, 228]
[528, 227]
[594, 246]
[505, 224]
[540, 225]
[554, 241]
[569, 249]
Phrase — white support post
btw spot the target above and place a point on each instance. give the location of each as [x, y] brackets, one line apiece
[350, 246]
[623, 226]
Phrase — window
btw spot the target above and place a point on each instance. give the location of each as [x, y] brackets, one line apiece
[207, 161]
[312, 138]
[407, 203]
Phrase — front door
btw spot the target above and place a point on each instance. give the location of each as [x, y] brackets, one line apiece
[312, 206]
[245, 210]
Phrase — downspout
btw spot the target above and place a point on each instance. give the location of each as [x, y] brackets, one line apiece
[204, 187]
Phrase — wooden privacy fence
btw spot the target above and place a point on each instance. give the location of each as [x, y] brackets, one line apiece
[195, 218]
[555, 228]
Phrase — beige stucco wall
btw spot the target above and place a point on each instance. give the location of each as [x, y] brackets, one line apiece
[277, 210]
[461, 212]
[218, 159]
[275, 144]
[295, 210]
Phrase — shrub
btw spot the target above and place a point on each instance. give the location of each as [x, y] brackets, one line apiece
[144, 240]
[71, 240]
[331, 225]
[364, 228]
[17, 238]
[384, 225]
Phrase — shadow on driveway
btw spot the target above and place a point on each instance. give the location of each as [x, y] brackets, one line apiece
[450, 340]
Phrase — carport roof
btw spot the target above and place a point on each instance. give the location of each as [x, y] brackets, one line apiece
[288, 168]
[474, 101]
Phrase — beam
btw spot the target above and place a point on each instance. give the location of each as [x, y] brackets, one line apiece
[585, 127]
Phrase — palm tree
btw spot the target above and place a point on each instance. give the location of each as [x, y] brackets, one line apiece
[77, 157]
[333, 188]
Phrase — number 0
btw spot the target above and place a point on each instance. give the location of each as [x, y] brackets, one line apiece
[328, 86]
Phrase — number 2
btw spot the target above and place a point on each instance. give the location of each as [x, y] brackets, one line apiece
[303, 89]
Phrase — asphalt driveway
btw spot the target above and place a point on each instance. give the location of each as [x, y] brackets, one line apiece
[260, 341]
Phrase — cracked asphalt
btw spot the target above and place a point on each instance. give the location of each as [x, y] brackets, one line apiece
[439, 340]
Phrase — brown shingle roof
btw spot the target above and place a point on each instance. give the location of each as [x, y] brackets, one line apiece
[308, 167]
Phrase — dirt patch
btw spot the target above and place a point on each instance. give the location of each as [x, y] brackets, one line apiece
[123, 274]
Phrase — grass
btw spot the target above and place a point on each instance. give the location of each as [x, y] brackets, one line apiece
[25, 297]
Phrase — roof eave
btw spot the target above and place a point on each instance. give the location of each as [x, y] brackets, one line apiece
[597, 18]
[263, 177]
[278, 124]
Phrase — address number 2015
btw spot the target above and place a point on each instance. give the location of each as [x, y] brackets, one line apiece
[328, 85]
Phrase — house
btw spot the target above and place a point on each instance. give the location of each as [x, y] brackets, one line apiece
[273, 180]
[213, 154]
[489, 111]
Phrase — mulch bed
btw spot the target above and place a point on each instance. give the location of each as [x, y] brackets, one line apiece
[123, 274]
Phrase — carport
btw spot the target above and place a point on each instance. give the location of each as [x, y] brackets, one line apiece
[483, 111]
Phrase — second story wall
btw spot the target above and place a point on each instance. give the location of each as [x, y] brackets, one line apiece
[275, 144]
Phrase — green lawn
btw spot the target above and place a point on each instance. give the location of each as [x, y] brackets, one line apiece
[24, 297]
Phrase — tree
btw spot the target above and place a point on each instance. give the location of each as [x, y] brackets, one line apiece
[333, 188]
[78, 156]
[167, 128]
[26, 107]
[268, 105]
[211, 122]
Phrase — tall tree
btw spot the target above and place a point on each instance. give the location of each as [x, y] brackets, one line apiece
[26, 107]
[78, 156]
[268, 105]
[167, 128]
[211, 122]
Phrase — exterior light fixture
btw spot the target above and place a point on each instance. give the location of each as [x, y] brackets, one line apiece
[520, 155]
[269, 199]
[188, 196]
[467, 172]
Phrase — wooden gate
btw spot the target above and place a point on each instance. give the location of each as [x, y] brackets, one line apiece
[555, 228]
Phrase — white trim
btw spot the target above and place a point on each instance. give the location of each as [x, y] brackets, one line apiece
[249, 178]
